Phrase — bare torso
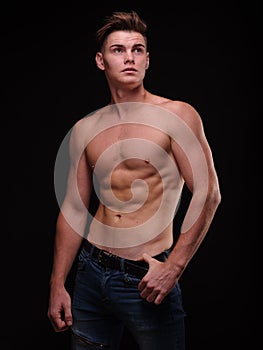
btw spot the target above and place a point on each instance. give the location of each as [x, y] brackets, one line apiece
[126, 159]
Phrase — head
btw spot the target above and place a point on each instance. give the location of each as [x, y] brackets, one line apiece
[122, 47]
[123, 21]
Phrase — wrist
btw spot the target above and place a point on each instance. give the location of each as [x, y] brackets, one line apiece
[177, 267]
[57, 282]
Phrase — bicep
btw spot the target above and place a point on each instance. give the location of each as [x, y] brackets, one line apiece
[193, 155]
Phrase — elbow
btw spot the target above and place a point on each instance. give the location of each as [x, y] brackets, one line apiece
[214, 196]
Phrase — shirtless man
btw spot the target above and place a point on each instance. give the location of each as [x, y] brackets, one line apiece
[137, 153]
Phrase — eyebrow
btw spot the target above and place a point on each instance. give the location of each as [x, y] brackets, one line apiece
[135, 45]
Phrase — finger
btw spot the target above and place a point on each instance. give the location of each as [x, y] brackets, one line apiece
[151, 297]
[146, 292]
[68, 318]
[141, 285]
[159, 298]
[147, 257]
[59, 324]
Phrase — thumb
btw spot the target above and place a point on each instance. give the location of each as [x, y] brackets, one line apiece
[68, 318]
[147, 258]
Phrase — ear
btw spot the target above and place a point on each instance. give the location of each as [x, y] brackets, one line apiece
[147, 61]
[99, 60]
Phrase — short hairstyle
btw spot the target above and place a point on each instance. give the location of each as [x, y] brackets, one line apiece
[127, 21]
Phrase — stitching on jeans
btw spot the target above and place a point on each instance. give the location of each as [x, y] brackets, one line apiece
[89, 342]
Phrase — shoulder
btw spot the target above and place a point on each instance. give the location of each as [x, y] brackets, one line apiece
[185, 111]
[88, 119]
[85, 126]
[181, 109]
[83, 130]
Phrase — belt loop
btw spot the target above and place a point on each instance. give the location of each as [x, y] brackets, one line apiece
[91, 248]
[122, 267]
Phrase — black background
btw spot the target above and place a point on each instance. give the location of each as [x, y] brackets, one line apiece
[204, 54]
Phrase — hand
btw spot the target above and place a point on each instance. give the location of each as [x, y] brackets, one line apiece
[158, 281]
[59, 311]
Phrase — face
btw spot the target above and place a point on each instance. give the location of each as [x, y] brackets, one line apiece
[124, 58]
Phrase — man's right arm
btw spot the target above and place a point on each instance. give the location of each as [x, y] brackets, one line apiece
[67, 243]
[70, 228]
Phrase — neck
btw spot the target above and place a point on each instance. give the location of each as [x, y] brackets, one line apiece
[138, 94]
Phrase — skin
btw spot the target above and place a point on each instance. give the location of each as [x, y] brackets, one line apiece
[124, 60]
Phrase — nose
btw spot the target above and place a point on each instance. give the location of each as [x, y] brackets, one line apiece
[129, 58]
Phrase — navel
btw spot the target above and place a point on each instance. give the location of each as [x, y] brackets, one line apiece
[117, 217]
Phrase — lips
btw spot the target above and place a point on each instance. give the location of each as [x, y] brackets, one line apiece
[129, 70]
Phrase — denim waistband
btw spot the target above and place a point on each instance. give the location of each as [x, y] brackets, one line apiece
[136, 267]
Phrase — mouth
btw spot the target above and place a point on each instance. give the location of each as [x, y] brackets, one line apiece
[129, 70]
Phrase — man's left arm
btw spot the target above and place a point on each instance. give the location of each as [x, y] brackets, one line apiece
[194, 159]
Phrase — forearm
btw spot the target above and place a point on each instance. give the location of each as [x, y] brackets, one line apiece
[189, 241]
[67, 244]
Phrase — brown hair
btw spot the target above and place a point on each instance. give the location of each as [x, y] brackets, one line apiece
[129, 21]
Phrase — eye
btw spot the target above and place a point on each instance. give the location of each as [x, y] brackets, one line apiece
[138, 50]
[117, 50]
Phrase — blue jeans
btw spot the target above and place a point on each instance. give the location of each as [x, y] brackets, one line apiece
[105, 300]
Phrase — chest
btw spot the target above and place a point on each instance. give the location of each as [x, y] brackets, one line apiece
[128, 143]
